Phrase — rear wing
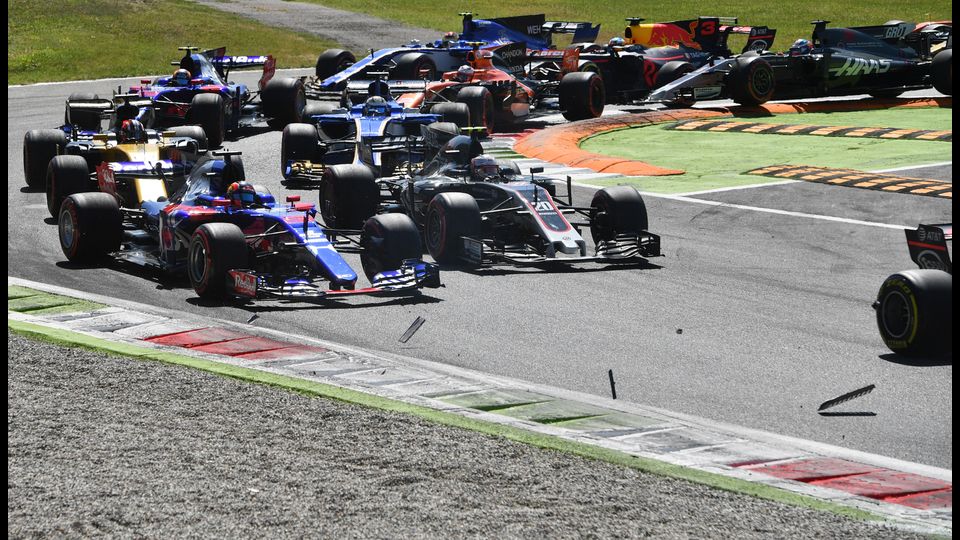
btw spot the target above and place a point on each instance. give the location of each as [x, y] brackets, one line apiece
[928, 246]
[707, 33]
[124, 106]
[583, 32]
[533, 30]
[223, 63]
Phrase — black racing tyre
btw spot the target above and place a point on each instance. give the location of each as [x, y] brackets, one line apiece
[914, 312]
[85, 120]
[315, 108]
[751, 81]
[215, 249]
[941, 72]
[39, 147]
[449, 217]
[209, 112]
[89, 226]
[617, 210]
[283, 99]
[194, 132]
[582, 95]
[479, 101]
[414, 66]
[670, 72]
[66, 175]
[299, 142]
[333, 61]
[456, 113]
[387, 240]
[349, 194]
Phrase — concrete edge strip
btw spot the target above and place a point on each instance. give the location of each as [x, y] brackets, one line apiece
[317, 389]
[561, 144]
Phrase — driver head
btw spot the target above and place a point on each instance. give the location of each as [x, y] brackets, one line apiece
[484, 167]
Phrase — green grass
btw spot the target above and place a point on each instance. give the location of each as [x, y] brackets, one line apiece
[89, 39]
[718, 164]
[791, 19]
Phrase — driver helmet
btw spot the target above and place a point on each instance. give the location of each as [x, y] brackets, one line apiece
[616, 42]
[800, 46]
[449, 37]
[181, 77]
[484, 166]
[131, 131]
[464, 74]
[242, 193]
[376, 106]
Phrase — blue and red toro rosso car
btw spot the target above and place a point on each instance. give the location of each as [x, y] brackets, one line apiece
[509, 37]
[199, 92]
[234, 240]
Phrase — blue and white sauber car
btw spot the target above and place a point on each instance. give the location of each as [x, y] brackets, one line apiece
[233, 239]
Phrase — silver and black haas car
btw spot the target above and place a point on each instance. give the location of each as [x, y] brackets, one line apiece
[475, 209]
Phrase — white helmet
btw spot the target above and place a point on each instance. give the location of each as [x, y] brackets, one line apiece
[484, 166]
[465, 73]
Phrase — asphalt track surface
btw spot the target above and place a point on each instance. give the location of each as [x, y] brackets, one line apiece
[752, 318]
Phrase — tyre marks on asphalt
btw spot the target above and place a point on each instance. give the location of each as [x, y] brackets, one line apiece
[859, 179]
[714, 125]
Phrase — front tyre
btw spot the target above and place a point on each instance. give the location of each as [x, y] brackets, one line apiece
[333, 61]
[89, 226]
[215, 249]
[751, 81]
[39, 147]
[617, 210]
[941, 72]
[387, 240]
[451, 216]
[208, 111]
[456, 113]
[284, 99]
[66, 175]
[299, 142]
[479, 101]
[582, 95]
[914, 312]
[349, 194]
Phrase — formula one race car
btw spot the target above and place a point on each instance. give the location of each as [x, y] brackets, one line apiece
[475, 209]
[883, 61]
[378, 132]
[509, 37]
[495, 97]
[121, 160]
[199, 92]
[914, 307]
[650, 56]
[234, 240]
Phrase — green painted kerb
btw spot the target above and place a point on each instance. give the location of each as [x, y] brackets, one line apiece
[310, 388]
[25, 300]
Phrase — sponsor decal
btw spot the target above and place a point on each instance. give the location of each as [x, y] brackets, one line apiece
[106, 179]
[861, 66]
[244, 283]
[571, 60]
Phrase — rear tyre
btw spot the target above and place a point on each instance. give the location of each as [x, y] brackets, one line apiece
[299, 142]
[39, 147]
[670, 72]
[582, 95]
[333, 61]
[89, 226]
[349, 194]
[479, 101]
[414, 66]
[457, 113]
[207, 110]
[66, 175]
[85, 120]
[941, 72]
[914, 312]
[194, 132]
[387, 240]
[284, 99]
[617, 210]
[215, 249]
[449, 217]
[751, 81]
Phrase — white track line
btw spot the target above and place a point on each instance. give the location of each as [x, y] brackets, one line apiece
[751, 186]
[683, 198]
[941, 164]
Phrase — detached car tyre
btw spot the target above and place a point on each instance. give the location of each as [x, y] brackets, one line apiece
[914, 312]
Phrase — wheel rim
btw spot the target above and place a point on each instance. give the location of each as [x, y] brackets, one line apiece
[762, 82]
[596, 98]
[68, 230]
[434, 232]
[197, 263]
[895, 315]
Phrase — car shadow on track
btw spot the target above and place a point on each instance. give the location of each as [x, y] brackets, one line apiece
[550, 268]
[297, 305]
[924, 361]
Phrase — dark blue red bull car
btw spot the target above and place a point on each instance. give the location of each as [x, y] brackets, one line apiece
[201, 93]
[234, 240]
